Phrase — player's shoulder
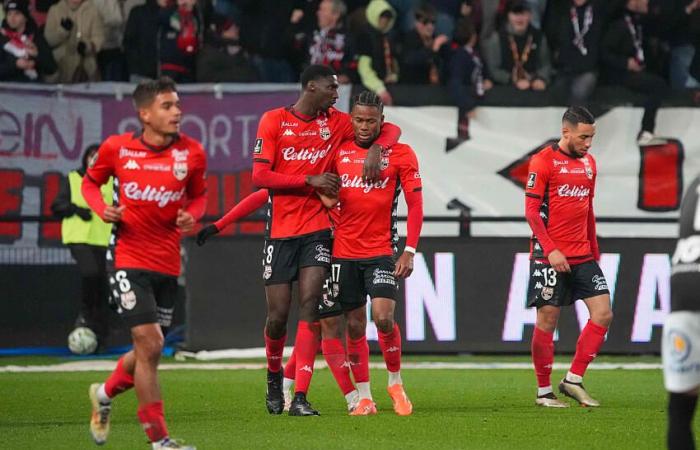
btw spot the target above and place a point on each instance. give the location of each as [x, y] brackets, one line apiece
[335, 113]
[115, 142]
[402, 150]
[189, 142]
[543, 156]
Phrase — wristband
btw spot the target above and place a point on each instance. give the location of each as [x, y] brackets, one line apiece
[409, 250]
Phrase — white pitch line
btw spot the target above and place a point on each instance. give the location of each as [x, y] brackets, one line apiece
[108, 365]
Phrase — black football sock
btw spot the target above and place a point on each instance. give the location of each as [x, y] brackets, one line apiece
[681, 408]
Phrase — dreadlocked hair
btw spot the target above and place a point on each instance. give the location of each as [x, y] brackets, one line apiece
[368, 98]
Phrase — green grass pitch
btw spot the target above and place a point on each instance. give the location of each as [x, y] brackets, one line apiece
[453, 409]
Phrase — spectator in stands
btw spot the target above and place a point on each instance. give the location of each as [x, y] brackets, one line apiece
[473, 11]
[683, 14]
[624, 58]
[467, 79]
[24, 53]
[141, 40]
[330, 43]
[575, 44]
[110, 59]
[517, 54]
[179, 40]
[75, 31]
[39, 9]
[223, 59]
[422, 51]
[87, 236]
[377, 64]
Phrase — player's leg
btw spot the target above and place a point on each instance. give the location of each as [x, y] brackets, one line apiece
[390, 345]
[101, 394]
[279, 298]
[681, 362]
[358, 356]
[335, 355]
[590, 285]
[288, 381]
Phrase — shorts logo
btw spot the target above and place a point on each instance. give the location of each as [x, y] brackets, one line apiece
[336, 290]
[180, 170]
[383, 276]
[329, 303]
[547, 293]
[267, 273]
[128, 300]
[258, 146]
[680, 345]
[323, 254]
[600, 282]
[531, 178]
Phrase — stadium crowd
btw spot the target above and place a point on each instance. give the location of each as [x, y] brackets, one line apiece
[567, 47]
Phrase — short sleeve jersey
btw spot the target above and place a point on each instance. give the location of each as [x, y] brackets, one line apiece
[685, 269]
[153, 184]
[366, 223]
[566, 186]
[293, 144]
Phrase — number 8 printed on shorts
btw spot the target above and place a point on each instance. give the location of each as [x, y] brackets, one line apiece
[268, 252]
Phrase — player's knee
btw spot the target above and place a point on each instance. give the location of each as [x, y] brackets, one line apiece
[384, 324]
[148, 346]
[603, 318]
[356, 328]
[330, 328]
[276, 327]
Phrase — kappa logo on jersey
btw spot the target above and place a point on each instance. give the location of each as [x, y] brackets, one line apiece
[288, 132]
[131, 165]
[312, 155]
[258, 146]
[565, 170]
[161, 196]
[531, 177]
[126, 153]
[580, 192]
[345, 160]
[180, 170]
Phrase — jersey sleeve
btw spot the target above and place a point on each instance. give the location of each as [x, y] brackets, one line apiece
[265, 148]
[103, 166]
[409, 175]
[344, 124]
[538, 174]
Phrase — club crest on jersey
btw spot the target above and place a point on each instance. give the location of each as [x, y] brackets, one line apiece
[547, 293]
[589, 169]
[258, 146]
[325, 133]
[384, 164]
[180, 170]
[531, 178]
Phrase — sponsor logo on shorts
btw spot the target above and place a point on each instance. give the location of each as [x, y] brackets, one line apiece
[600, 282]
[323, 254]
[128, 300]
[267, 272]
[547, 293]
[383, 276]
[531, 178]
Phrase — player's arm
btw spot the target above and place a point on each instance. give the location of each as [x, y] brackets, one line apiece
[264, 155]
[244, 208]
[96, 176]
[389, 136]
[196, 196]
[538, 178]
[409, 176]
[328, 202]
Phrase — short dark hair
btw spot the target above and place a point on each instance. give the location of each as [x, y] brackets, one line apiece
[425, 11]
[147, 90]
[464, 31]
[368, 98]
[315, 72]
[89, 149]
[578, 114]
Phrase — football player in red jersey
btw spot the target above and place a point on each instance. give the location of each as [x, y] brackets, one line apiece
[293, 150]
[564, 254]
[364, 249]
[160, 192]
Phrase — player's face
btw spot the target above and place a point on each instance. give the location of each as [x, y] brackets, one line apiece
[580, 138]
[367, 123]
[325, 92]
[164, 114]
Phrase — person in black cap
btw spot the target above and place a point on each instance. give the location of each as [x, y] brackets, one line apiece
[24, 54]
[518, 54]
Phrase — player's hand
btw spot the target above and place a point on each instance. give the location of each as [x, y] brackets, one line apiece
[205, 233]
[326, 183]
[523, 84]
[404, 266]
[83, 213]
[113, 214]
[558, 261]
[372, 170]
[633, 65]
[185, 221]
[328, 202]
[539, 85]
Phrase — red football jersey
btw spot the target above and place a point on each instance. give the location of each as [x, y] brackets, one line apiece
[153, 184]
[366, 223]
[566, 186]
[297, 145]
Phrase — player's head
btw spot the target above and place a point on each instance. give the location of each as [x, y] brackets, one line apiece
[367, 117]
[89, 156]
[158, 105]
[320, 85]
[577, 131]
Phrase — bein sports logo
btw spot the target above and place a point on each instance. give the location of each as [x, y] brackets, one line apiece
[579, 192]
[311, 155]
[151, 194]
[357, 182]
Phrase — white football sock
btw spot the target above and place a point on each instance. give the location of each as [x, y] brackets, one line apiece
[364, 390]
[102, 396]
[287, 384]
[573, 378]
[352, 397]
[395, 378]
[544, 390]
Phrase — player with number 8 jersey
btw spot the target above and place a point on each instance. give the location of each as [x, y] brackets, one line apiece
[564, 254]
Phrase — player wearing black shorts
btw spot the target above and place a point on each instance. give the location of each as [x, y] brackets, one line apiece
[680, 346]
[564, 254]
